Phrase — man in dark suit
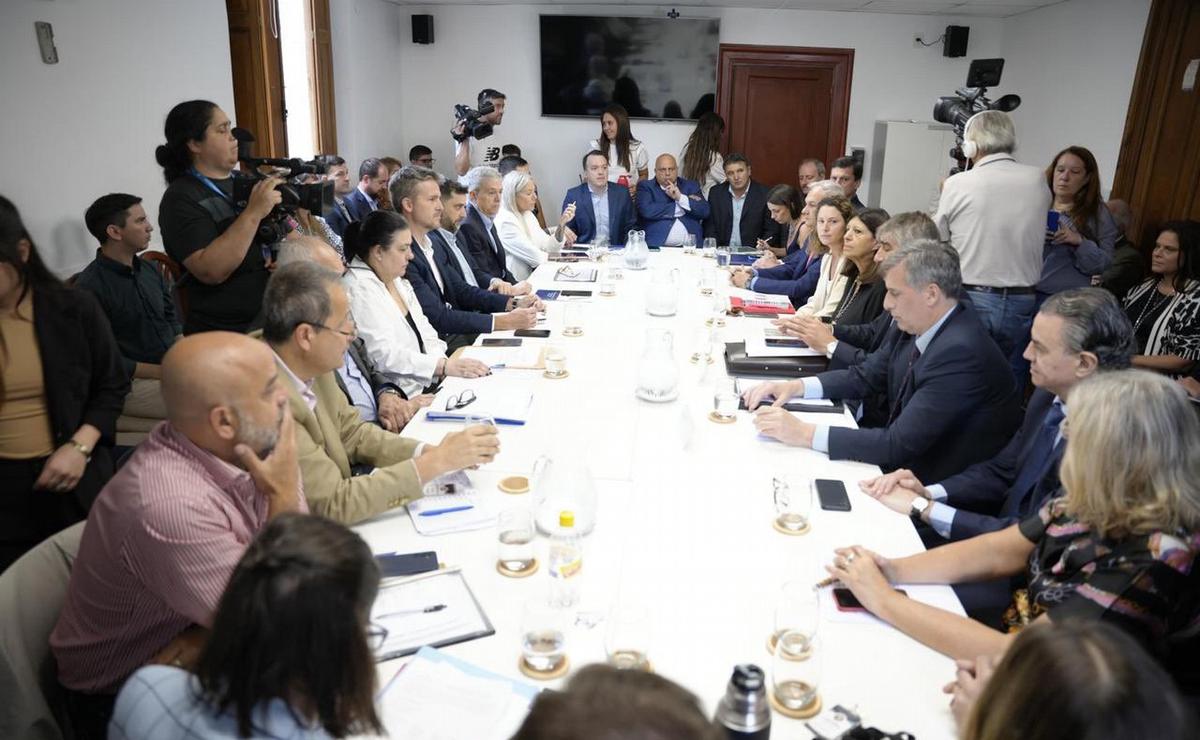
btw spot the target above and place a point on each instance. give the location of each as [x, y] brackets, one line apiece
[477, 235]
[339, 218]
[738, 214]
[457, 310]
[670, 207]
[1075, 334]
[600, 211]
[950, 393]
[372, 178]
[848, 172]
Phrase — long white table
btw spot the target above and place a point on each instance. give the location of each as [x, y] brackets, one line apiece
[684, 520]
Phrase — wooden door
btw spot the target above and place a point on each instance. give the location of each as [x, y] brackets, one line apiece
[257, 74]
[782, 104]
[1158, 171]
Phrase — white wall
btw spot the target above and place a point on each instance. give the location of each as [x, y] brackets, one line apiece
[891, 79]
[1073, 65]
[89, 124]
[368, 91]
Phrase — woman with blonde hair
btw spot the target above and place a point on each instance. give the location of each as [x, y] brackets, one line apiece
[1119, 544]
[524, 240]
[829, 232]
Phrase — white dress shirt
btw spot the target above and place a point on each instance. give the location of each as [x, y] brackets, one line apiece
[386, 333]
[994, 215]
[426, 247]
[678, 232]
[525, 243]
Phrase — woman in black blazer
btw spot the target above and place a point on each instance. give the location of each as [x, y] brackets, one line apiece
[863, 300]
[61, 389]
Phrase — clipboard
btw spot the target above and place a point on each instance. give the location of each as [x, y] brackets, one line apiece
[461, 619]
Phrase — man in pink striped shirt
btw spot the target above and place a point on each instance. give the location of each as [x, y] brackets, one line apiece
[166, 532]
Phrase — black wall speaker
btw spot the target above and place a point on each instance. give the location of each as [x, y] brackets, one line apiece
[955, 44]
[423, 30]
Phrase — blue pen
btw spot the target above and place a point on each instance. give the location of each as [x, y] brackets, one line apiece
[499, 366]
[452, 509]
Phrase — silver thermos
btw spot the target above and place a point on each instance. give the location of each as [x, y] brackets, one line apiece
[744, 711]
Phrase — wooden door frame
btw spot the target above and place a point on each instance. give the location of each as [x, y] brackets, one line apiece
[320, 69]
[839, 61]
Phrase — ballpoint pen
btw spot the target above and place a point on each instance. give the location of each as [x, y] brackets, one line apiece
[822, 584]
[418, 610]
[452, 509]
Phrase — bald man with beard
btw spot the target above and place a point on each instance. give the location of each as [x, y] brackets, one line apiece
[166, 532]
[670, 207]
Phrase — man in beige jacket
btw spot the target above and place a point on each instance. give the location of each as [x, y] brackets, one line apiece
[307, 324]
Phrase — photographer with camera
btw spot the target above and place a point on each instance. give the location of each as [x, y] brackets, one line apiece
[226, 268]
[477, 124]
[994, 215]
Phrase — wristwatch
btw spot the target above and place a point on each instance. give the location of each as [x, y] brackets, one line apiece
[82, 449]
[919, 505]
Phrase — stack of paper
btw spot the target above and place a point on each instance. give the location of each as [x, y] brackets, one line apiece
[434, 609]
[451, 513]
[437, 697]
[525, 357]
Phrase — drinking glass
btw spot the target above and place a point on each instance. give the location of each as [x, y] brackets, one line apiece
[797, 616]
[709, 243]
[725, 399]
[722, 256]
[707, 281]
[793, 502]
[689, 244]
[627, 643]
[608, 285]
[556, 362]
[515, 533]
[796, 681]
[572, 320]
[543, 636]
[598, 249]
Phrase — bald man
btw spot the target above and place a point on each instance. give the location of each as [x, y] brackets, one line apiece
[165, 533]
[670, 207]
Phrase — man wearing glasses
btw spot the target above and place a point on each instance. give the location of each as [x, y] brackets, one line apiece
[307, 324]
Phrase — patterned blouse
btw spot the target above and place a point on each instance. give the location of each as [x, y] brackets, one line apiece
[1147, 585]
[1176, 330]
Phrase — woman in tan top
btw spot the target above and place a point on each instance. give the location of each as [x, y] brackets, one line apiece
[61, 390]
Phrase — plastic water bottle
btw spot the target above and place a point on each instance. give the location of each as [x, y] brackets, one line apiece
[566, 562]
[744, 711]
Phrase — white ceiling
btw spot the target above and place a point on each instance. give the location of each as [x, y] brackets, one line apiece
[979, 8]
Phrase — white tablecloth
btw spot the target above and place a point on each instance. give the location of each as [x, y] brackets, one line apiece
[684, 519]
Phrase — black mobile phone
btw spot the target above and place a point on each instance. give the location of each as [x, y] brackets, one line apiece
[532, 333]
[501, 342]
[395, 564]
[847, 602]
[832, 495]
[575, 293]
[786, 342]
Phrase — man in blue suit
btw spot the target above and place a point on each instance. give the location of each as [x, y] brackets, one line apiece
[950, 394]
[339, 218]
[670, 207]
[372, 178]
[1076, 334]
[600, 211]
[457, 310]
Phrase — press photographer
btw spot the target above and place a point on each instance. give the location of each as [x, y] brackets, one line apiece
[477, 124]
[204, 229]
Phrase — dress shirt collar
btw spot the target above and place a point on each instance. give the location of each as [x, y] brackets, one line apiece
[304, 389]
[487, 221]
[225, 476]
[924, 338]
[109, 263]
[426, 245]
[370, 200]
[598, 193]
[450, 236]
[741, 197]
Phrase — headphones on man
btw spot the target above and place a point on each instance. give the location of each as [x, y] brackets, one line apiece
[969, 148]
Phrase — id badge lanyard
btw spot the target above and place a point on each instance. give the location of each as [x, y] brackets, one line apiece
[264, 249]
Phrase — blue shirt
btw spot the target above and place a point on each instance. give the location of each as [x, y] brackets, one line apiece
[600, 209]
[487, 225]
[452, 242]
[161, 702]
[813, 389]
[735, 236]
[359, 388]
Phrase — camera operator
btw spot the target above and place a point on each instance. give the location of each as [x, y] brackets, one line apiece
[467, 156]
[226, 271]
[995, 217]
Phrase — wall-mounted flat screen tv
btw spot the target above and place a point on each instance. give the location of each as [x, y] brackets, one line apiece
[655, 67]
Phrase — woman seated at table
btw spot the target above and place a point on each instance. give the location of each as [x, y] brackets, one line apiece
[290, 652]
[832, 217]
[1165, 309]
[398, 337]
[1072, 680]
[524, 240]
[1118, 545]
[863, 299]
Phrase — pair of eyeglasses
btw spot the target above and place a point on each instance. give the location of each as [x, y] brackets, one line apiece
[460, 400]
[349, 334]
[566, 271]
[376, 636]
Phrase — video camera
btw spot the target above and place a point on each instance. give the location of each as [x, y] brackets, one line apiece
[473, 125]
[316, 198]
[957, 109]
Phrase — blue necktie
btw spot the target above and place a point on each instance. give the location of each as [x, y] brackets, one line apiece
[1038, 462]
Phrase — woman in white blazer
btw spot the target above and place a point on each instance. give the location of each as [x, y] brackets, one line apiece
[525, 242]
[398, 337]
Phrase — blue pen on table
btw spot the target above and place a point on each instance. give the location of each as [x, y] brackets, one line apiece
[452, 509]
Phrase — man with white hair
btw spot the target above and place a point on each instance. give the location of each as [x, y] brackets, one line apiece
[477, 234]
[994, 215]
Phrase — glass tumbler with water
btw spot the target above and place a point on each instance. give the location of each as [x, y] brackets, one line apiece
[722, 256]
[516, 535]
[543, 636]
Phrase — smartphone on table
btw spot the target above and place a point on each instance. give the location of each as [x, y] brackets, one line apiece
[395, 564]
[847, 602]
[832, 495]
[501, 342]
[532, 333]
